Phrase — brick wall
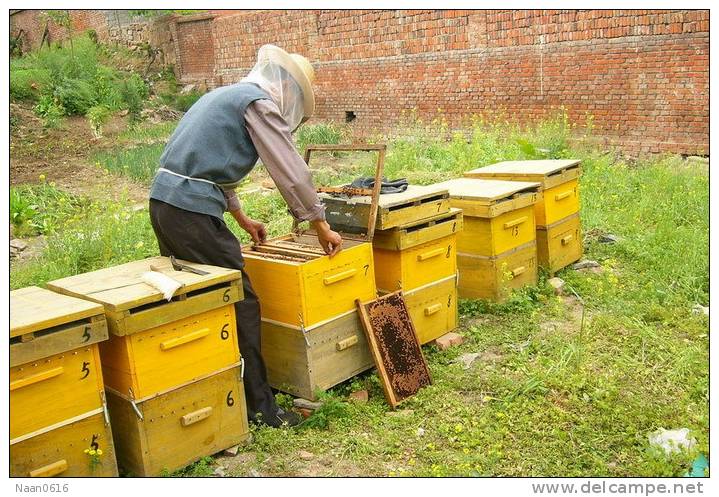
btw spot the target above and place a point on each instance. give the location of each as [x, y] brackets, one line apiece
[643, 75]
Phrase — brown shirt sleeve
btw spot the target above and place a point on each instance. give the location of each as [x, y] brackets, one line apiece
[273, 141]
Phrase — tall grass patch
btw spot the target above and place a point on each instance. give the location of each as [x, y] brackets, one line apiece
[140, 163]
[105, 234]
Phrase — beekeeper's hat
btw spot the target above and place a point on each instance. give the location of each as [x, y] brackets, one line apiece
[298, 67]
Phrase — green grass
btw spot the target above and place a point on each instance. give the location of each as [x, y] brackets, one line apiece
[147, 132]
[548, 397]
[42, 208]
[103, 234]
[140, 162]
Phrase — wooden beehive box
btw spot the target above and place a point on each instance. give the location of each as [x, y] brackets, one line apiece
[55, 370]
[167, 432]
[417, 253]
[157, 345]
[558, 178]
[496, 251]
[61, 451]
[303, 361]
[433, 308]
[557, 212]
[559, 244]
[493, 278]
[498, 215]
[351, 213]
[298, 285]
[57, 406]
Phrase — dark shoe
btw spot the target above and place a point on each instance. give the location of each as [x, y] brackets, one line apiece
[280, 418]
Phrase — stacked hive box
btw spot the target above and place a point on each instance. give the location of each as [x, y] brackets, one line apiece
[57, 401]
[172, 370]
[497, 249]
[559, 240]
[415, 250]
[312, 338]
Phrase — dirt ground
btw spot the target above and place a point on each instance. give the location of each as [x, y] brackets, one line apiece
[62, 155]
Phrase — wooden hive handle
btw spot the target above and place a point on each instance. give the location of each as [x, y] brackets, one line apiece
[347, 343]
[432, 253]
[512, 224]
[182, 340]
[567, 239]
[36, 378]
[193, 417]
[330, 280]
[563, 195]
[518, 271]
[433, 309]
[50, 470]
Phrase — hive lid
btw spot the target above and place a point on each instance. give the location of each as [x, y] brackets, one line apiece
[34, 309]
[121, 287]
[387, 200]
[530, 169]
[485, 190]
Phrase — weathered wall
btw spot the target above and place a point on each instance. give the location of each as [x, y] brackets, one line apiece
[643, 75]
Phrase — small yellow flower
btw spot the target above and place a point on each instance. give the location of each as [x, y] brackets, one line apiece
[87, 451]
[93, 452]
[99, 452]
[42, 177]
[458, 428]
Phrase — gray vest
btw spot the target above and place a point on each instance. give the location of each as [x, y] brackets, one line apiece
[210, 143]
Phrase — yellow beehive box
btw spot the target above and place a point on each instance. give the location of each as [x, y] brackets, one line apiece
[169, 431]
[559, 180]
[428, 252]
[61, 451]
[498, 215]
[303, 361]
[433, 308]
[298, 285]
[419, 232]
[492, 278]
[155, 344]
[559, 244]
[351, 213]
[55, 370]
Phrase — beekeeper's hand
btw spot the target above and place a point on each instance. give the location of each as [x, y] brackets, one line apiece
[331, 241]
[255, 228]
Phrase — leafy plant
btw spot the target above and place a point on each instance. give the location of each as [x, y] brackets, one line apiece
[331, 409]
[76, 96]
[134, 93]
[322, 133]
[98, 116]
[22, 211]
[50, 110]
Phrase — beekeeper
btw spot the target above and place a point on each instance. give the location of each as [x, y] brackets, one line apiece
[215, 145]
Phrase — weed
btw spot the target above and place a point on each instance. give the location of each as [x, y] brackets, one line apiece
[184, 101]
[323, 133]
[202, 467]
[98, 116]
[50, 110]
[41, 209]
[139, 162]
[134, 92]
[332, 409]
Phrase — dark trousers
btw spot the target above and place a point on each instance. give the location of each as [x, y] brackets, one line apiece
[207, 240]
